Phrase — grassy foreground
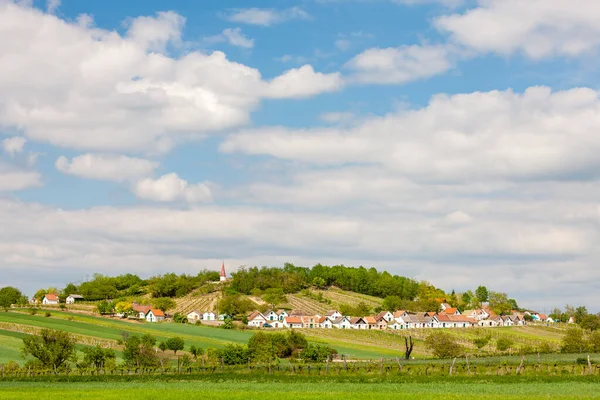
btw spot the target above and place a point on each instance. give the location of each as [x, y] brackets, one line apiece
[439, 390]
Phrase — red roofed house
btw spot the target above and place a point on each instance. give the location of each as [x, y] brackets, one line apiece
[140, 310]
[451, 311]
[293, 322]
[50, 298]
[256, 319]
[155, 315]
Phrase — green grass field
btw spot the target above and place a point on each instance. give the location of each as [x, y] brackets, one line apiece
[438, 390]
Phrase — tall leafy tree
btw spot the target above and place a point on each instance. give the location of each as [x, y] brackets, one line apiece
[10, 295]
[481, 293]
[52, 348]
[175, 344]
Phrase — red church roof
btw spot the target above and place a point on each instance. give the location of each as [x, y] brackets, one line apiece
[223, 270]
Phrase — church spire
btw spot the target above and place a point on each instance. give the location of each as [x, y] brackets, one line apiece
[223, 275]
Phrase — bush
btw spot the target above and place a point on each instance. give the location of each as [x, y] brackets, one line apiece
[584, 361]
[317, 353]
[503, 344]
[33, 311]
[443, 345]
[47, 314]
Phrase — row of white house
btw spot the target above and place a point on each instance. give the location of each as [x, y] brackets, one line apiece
[52, 299]
[449, 317]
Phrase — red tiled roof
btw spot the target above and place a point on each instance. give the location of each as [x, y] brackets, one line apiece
[542, 316]
[450, 310]
[370, 320]
[157, 312]
[399, 313]
[254, 315]
[293, 320]
[51, 297]
[322, 319]
[140, 309]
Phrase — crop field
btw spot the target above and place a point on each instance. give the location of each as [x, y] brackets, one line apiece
[439, 389]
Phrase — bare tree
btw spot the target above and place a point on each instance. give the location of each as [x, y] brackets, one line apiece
[408, 343]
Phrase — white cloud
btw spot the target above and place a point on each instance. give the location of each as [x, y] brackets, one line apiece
[303, 82]
[170, 187]
[342, 44]
[337, 117]
[234, 37]
[13, 145]
[537, 28]
[103, 92]
[12, 179]
[466, 137]
[266, 16]
[52, 6]
[106, 167]
[399, 65]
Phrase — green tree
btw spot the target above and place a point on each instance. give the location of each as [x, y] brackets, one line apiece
[466, 298]
[503, 343]
[96, 357]
[162, 346]
[573, 341]
[392, 303]
[580, 313]
[52, 348]
[317, 353]
[39, 295]
[296, 341]
[261, 349]
[274, 296]
[235, 305]
[175, 344]
[481, 294]
[164, 303]
[105, 307]
[196, 351]
[499, 303]
[594, 341]
[319, 282]
[139, 352]
[71, 288]
[10, 295]
[591, 322]
[227, 323]
[443, 345]
[482, 341]
[233, 354]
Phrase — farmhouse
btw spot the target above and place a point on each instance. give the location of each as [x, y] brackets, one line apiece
[155, 315]
[386, 315]
[140, 310]
[341, 323]
[256, 319]
[50, 298]
[358, 323]
[194, 316]
[74, 298]
[333, 314]
[293, 322]
[310, 322]
[208, 316]
[325, 322]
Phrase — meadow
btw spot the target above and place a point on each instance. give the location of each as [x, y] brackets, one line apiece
[302, 388]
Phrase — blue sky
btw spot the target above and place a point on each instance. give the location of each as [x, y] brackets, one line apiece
[448, 140]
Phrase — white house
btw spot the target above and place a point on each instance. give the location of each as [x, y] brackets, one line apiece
[333, 314]
[256, 319]
[282, 314]
[140, 310]
[271, 315]
[73, 298]
[341, 323]
[209, 316]
[359, 323]
[325, 322]
[50, 298]
[399, 315]
[276, 324]
[388, 316]
[155, 315]
[194, 316]
[395, 325]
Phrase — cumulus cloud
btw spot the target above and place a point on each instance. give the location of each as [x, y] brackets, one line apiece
[52, 6]
[399, 65]
[171, 187]
[537, 28]
[111, 93]
[13, 145]
[13, 179]
[234, 37]
[303, 82]
[106, 167]
[266, 16]
[537, 134]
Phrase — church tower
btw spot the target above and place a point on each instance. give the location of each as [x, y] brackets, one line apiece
[223, 275]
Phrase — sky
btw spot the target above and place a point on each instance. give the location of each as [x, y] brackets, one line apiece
[453, 141]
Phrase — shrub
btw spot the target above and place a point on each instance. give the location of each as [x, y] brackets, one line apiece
[33, 311]
[443, 345]
[503, 343]
[47, 314]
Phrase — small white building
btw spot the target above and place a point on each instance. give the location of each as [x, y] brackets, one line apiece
[386, 315]
[50, 298]
[271, 315]
[209, 316]
[194, 316]
[325, 323]
[74, 298]
[333, 314]
[395, 325]
[155, 315]
[293, 322]
[256, 319]
[341, 323]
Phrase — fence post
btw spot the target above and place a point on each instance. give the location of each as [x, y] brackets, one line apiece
[327, 366]
[589, 364]
[452, 366]
[381, 366]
